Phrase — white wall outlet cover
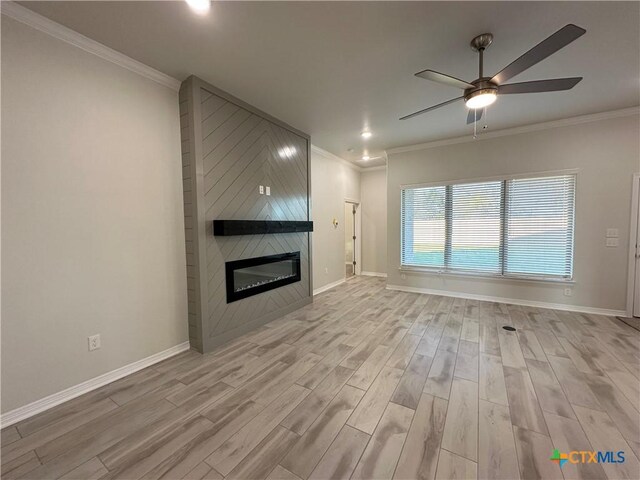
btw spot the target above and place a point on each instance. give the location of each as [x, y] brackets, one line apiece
[261, 190]
[268, 190]
[612, 232]
[612, 242]
[94, 342]
[567, 292]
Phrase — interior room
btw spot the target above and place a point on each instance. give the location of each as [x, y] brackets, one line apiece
[320, 240]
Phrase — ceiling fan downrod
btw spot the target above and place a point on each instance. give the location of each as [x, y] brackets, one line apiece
[480, 44]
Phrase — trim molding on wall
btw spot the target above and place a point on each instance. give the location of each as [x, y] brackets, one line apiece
[565, 122]
[331, 156]
[374, 274]
[513, 301]
[372, 169]
[45, 25]
[328, 286]
[51, 401]
[353, 166]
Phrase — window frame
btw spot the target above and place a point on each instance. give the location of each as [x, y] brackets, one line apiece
[418, 269]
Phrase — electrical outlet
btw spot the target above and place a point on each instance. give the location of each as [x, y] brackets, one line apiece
[94, 342]
[403, 276]
[261, 190]
[612, 233]
[268, 191]
[568, 292]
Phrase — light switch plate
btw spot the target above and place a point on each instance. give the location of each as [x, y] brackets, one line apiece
[612, 242]
[268, 190]
[612, 233]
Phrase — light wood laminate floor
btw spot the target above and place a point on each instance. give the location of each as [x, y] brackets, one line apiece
[364, 383]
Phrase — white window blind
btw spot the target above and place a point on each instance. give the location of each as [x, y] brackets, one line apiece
[539, 229]
[475, 227]
[423, 226]
[510, 227]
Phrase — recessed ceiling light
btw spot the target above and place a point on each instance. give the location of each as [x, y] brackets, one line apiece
[366, 134]
[199, 6]
[365, 157]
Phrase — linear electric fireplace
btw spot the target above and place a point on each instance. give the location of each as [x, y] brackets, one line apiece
[256, 275]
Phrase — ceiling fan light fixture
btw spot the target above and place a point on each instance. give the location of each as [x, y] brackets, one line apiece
[481, 98]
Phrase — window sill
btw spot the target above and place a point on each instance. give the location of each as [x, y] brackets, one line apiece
[486, 276]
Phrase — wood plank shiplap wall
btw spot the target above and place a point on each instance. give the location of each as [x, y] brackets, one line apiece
[229, 150]
[188, 176]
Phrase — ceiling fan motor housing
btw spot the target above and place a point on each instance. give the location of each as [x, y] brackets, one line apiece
[482, 86]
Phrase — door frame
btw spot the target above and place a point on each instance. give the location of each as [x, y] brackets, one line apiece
[633, 232]
[358, 242]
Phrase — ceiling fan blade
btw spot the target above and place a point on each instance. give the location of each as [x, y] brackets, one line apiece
[552, 85]
[544, 49]
[425, 110]
[444, 79]
[474, 115]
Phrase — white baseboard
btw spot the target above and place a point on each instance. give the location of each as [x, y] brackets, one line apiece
[374, 274]
[513, 301]
[328, 286]
[26, 411]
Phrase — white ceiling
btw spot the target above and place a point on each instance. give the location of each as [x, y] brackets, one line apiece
[333, 69]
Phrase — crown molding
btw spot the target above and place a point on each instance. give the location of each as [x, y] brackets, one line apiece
[331, 156]
[54, 29]
[373, 169]
[353, 166]
[565, 122]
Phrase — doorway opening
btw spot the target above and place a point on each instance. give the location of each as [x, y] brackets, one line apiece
[351, 238]
[633, 293]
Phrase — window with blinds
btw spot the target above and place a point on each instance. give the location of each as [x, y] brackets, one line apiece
[520, 227]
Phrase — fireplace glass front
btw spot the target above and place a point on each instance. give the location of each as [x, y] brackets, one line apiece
[251, 276]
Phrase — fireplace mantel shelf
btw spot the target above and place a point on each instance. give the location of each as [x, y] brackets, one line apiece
[225, 228]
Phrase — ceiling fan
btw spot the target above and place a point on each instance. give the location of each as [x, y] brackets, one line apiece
[483, 91]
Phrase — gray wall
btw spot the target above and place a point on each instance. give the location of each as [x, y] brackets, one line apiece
[373, 185]
[229, 149]
[92, 216]
[606, 153]
[333, 182]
